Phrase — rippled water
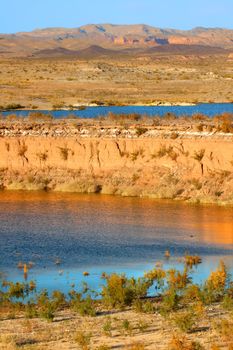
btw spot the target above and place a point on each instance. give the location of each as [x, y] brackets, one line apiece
[97, 233]
[209, 109]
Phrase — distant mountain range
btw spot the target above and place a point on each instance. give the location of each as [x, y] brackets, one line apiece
[108, 39]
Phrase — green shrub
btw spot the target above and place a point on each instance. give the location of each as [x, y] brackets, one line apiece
[169, 302]
[216, 284]
[144, 306]
[107, 327]
[84, 306]
[227, 302]
[58, 299]
[47, 311]
[127, 327]
[121, 291]
[185, 320]
[30, 310]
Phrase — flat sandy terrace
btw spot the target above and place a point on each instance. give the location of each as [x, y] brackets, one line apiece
[57, 82]
[146, 331]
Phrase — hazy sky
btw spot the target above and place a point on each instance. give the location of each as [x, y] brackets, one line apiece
[26, 15]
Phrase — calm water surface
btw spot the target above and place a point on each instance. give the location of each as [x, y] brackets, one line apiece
[97, 233]
[210, 109]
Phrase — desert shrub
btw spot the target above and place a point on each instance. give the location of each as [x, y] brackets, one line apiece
[178, 280]
[140, 131]
[64, 152]
[22, 149]
[46, 307]
[180, 342]
[42, 298]
[11, 117]
[47, 311]
[192, 260]
[200, 127]
[19, 290]
[172, 154]
[134, 155]
[107, 327]
[120, 291]
[169, 302]
[14, 106]
[226, 127]
[39, 116]
[144, 306]
[196, 183]
[156, 277]
[166, 151]
[84, 306]
[30, 310]
[192, 293]
[43, 156]
[198, 155]
[224, 122]
[185, 320]
[161, 152]
[127, 327]
[58, 105]
[174, 135]
[83, 340]
[58, 299]
[216, 284]
[169, 116]
[225, 329]
[199, 117]
[227, 302]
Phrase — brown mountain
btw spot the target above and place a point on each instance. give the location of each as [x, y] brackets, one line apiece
[97, 38]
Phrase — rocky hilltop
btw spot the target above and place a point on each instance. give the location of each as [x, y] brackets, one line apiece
[111, 36]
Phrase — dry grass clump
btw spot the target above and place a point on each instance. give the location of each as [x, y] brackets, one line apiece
[166, 151]
[83, 339]
[181, 342]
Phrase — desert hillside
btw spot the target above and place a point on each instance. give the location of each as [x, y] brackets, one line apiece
[117, 37]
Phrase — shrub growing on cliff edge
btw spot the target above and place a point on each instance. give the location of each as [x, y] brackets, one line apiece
[22, 149]
[42, 156]
[64, 152]
[198, 155]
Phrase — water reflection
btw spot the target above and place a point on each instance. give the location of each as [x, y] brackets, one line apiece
[97, 232]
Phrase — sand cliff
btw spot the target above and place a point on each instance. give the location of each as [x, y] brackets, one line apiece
[160, 163]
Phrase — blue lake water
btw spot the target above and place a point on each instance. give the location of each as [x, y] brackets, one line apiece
[209, 109]
[98, 233]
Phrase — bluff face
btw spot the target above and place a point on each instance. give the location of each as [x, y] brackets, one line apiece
[160, 163]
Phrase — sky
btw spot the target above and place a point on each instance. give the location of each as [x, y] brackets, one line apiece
[26, 15]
